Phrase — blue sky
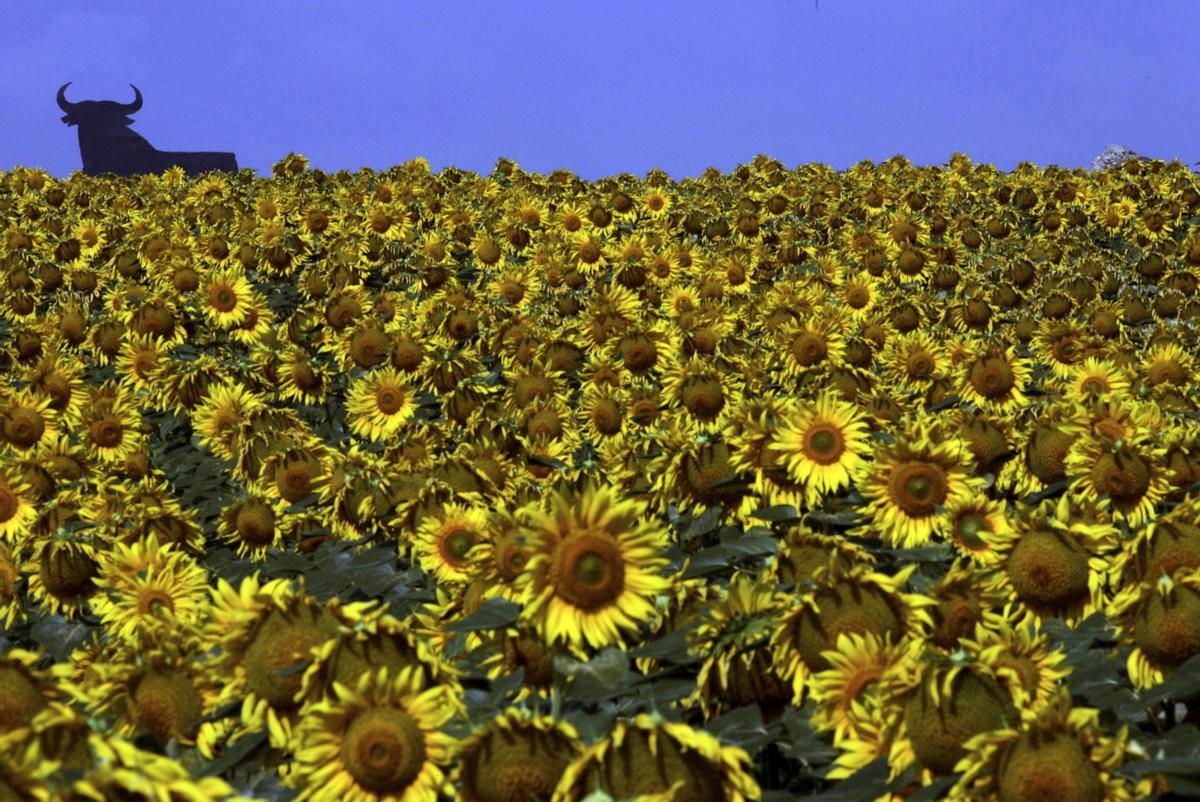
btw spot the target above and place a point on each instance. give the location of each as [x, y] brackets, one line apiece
[607, 87]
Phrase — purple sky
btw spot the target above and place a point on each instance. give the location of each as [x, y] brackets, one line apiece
[607, 87]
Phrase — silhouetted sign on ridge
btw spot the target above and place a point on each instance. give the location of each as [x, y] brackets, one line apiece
[108, 145]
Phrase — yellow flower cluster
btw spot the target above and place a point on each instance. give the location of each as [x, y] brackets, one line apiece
[850, 450]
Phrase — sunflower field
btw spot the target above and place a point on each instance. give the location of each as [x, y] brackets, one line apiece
[775, 485]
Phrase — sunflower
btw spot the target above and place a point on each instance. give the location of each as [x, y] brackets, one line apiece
[61, 380]
[700, 392]
[379, 740]
[145, 587]
[1161, 618]
[220, 419]
[1058, 565]
[23, 769]
[11, 595]
[812, 345]
[1041, 460]
[263, 631]
[302, 378]
[648, 758]
[141, 360]
[935, 706]
[1167, 544]
[156, 690]
[250, 524]
[24, 690]
[369, 639]
[822, 444]
[445, 539]
[596, 567]
[979, 529]
[17, 512]
[994, 379]
[26, 421]
[733, 641]
[963, 598]
[1096, 380]
[843, 600]
[911, 481]
[501, 557]
[379, 403]
[913, 360]
[111, 424]
[225, 295]
[1130, 476]
[802, 551]
[847, 694]
[1060, 752]
[516, 757]
[62, 573]
[1017, 648]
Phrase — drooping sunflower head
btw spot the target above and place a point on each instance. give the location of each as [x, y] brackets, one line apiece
[854, 600]
[1162, 619]
[1060, 753]
[804, 551]
[994, 378]
[1129, 475]
[939, 707]
[250, 525]
[733, 638]
[63, 574]
[516, 757]
[649, 758]
[1054, 566]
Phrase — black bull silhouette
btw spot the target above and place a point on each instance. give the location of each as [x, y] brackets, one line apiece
[107, 145]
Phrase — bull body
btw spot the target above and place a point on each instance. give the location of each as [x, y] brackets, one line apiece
[108, 145]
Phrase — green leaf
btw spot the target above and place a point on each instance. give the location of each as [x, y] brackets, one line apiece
[777, 514]
[235, 754]
[492, 614]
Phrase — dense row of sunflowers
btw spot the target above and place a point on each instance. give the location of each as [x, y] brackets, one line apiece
[955, 405]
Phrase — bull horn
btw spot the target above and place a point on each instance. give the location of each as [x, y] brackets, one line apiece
[63, 103]
[130, 108]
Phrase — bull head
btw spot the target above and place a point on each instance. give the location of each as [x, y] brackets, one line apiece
[87, 110]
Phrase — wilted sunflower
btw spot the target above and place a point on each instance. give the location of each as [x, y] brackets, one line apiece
[379, 403]
[802, 551]
[911, 481]
[596, 567]
[733, 639]
[12, 596]
[648, 758]
[62, 573]
[444, 540]
[700, 392]
[1041, 460]
[380, 740]
[1166, 545]
[302, 377]
[934, 707]
[1161, 618]
[1060, 753]
[250, 524]
[369, 639]
[156, 690]
[25, 689]
[515, 757]
[963, 598]
[822, 444]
